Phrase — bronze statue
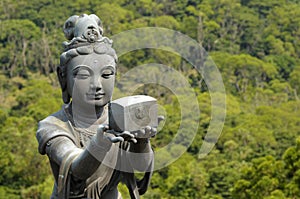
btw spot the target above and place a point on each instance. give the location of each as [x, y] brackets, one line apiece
[87, 157]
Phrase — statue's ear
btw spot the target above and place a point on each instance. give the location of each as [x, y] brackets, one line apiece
[62, 78]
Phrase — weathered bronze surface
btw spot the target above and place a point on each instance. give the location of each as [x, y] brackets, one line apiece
[87, 155]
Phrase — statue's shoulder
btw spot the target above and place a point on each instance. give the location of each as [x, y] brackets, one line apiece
[57, 118]
[55, 121]
[53, 126]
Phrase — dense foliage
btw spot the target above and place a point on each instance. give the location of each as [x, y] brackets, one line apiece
[256, 46]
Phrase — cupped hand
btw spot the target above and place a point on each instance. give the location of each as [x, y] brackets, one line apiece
[108, 134]
[148, 131]
[115, 137]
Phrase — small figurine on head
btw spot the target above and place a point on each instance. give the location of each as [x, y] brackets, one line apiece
[88, 159]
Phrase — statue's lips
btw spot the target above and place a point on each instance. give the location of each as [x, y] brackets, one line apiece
[95, 96]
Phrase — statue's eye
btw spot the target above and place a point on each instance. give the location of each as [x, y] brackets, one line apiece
[82, 74]
[107, 73]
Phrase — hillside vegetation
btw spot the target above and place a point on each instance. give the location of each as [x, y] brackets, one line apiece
[255, 45]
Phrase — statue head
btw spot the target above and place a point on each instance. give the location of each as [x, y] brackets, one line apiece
[88, 64]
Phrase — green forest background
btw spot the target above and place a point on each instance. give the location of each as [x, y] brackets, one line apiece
[256, 46]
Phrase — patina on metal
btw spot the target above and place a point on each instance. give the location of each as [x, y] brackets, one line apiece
[89, 152]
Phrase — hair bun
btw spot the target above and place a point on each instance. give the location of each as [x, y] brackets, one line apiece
[82, 30]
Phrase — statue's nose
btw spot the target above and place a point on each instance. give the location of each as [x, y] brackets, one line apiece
[96, 83]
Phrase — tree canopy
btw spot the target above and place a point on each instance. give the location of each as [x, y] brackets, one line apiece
[256, 47]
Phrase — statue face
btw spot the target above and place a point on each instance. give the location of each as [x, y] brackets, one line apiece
[90, 79]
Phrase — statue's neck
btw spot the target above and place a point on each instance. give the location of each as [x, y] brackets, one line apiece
[89, 116]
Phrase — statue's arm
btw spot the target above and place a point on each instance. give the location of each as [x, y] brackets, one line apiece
[140, 154]
[143, 139]
[87, 160]
[141, 146]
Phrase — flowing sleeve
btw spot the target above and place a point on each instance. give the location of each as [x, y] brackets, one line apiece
[132, 160]
[55, 138]
[78, 171]
[53, 126]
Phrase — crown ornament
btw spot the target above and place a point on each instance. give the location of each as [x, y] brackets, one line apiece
[83, 30]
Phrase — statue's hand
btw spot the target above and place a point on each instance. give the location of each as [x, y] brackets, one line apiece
[160, 118]
[108, 135]
[148, 131]
[114, 136]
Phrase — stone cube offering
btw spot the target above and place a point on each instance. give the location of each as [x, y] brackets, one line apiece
[133, 113]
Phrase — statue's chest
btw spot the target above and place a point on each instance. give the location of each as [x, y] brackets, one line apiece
[84, 136]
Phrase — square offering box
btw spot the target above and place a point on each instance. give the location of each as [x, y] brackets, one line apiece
[133, 113]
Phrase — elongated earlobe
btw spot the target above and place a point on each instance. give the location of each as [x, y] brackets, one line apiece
[63, 84]
[65, 96]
